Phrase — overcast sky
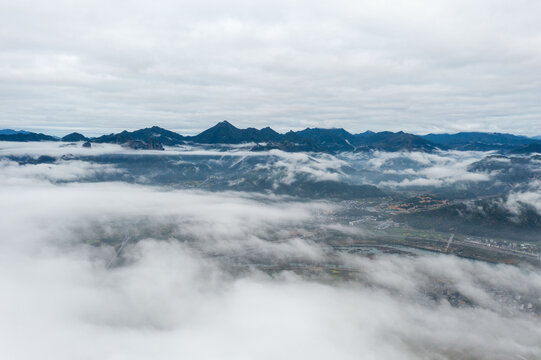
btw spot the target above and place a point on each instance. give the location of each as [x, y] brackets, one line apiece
[419, 66]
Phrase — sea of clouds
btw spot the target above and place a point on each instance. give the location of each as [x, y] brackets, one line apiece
[110, 270]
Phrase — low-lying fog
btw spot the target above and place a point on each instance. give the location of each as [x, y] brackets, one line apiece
[113, 270]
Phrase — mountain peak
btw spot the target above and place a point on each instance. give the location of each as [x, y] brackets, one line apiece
[225, 133]
[225, 124]
[74, 136]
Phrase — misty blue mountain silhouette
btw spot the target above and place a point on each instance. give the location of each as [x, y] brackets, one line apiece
[310, 139]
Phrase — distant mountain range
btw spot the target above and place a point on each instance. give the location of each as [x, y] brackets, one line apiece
[12, 132]
[481, 141]
[310, 139]
[23, 136]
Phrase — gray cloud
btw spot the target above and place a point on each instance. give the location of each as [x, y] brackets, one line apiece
[530, 197]
[418, 66]
[283, 167]
[424, 170]
[392, 170]
[63, 171]
[288, 166]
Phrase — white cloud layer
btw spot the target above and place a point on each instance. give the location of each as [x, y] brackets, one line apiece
[419, 169]
[387, 169]
[64, 171]
[419, 66]
[171, 297]
[284, 167]
[530, 197]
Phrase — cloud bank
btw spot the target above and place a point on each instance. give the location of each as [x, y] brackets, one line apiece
[421, 170]
[115, 271]
[530, 197]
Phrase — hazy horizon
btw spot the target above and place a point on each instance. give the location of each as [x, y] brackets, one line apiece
[94, 132]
